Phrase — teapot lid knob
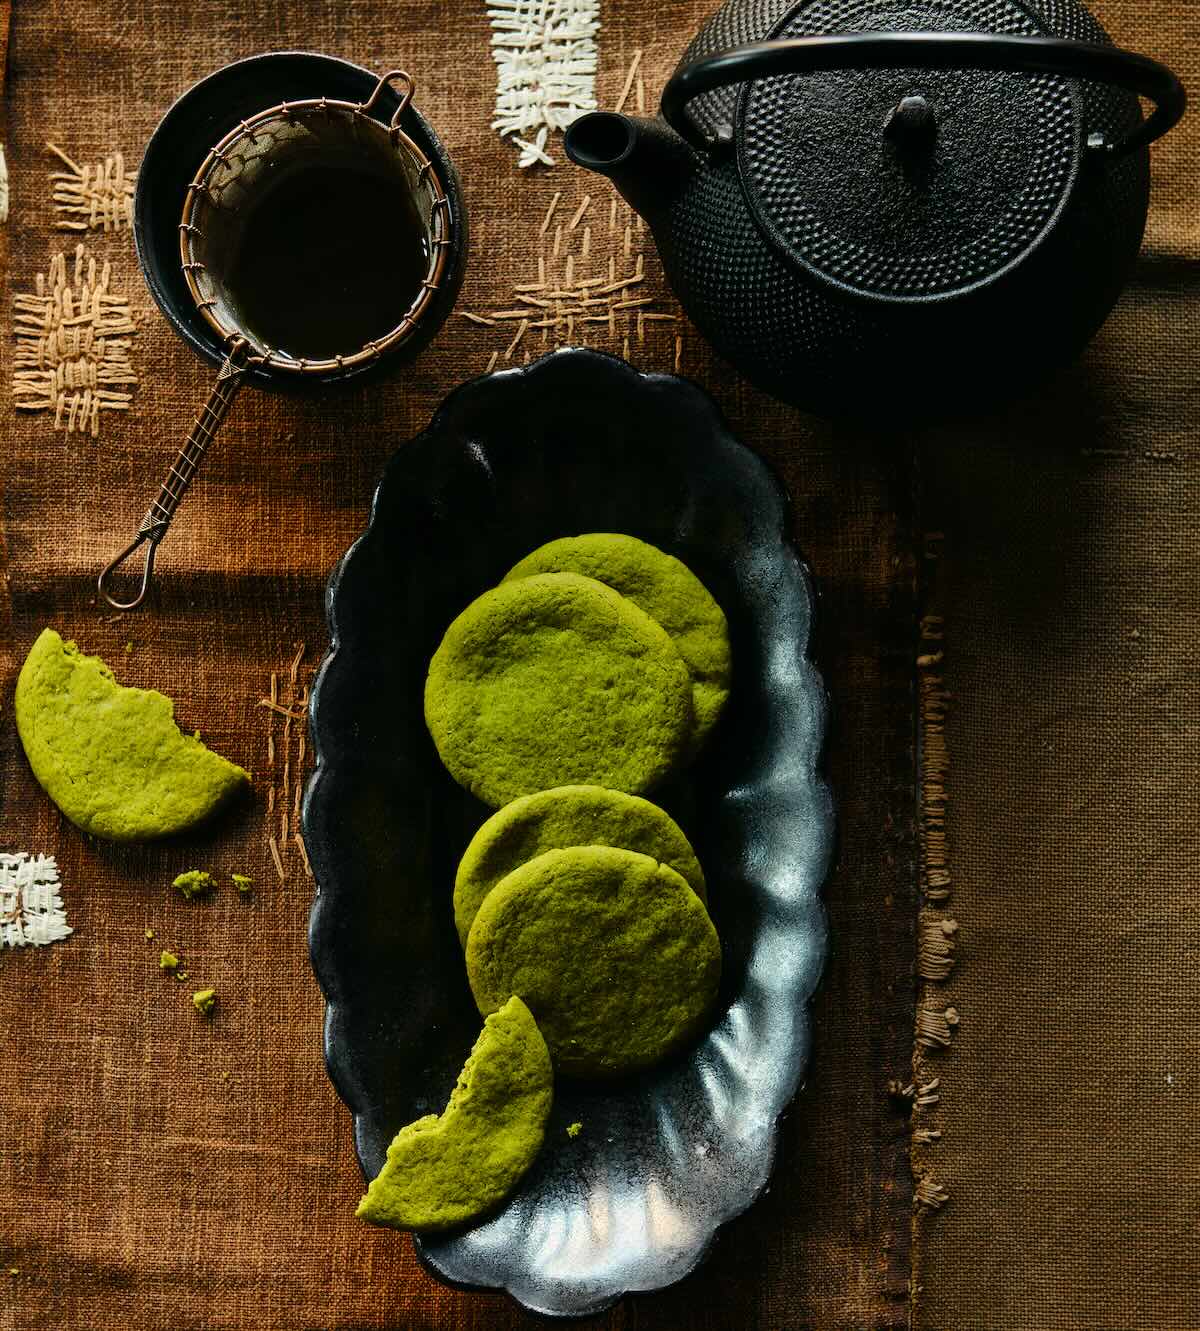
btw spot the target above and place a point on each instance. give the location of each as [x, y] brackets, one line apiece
[911, 122]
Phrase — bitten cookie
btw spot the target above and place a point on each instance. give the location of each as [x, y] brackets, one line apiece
[614, 954]
[443, 1171]
[112, 758]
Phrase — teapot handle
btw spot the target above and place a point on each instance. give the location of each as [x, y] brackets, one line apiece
[932, 50]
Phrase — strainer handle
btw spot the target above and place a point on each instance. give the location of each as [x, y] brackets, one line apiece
[187, 462]
[406, 95]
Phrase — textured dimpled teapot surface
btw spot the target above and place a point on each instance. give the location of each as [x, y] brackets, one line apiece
[939, 212]
[814, 340]
[740, 21]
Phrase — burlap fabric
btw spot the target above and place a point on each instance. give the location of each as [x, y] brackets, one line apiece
[1069, 583]
[160, 1170]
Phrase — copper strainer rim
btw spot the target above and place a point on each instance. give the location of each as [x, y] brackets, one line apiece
[441, 226]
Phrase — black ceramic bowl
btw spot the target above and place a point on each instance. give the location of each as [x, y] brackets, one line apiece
[575, 442]
[200, 119]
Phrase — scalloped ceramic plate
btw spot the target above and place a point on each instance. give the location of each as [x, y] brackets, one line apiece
[575, 442]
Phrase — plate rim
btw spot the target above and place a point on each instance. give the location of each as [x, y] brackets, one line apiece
[324, 769]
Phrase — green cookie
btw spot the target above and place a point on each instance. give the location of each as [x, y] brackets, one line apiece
[441, 1172]
[557, 819]
[614, 954]
[665, 589]
[556, 680]
[112, 758]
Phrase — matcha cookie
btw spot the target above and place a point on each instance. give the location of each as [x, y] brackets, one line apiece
[665, 589]
[555, 680]
[441, 1172]
[112, 758]
[614, 954]
[556, 820]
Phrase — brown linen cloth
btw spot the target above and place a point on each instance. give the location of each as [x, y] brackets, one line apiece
[160, 1170]
[1069, 581]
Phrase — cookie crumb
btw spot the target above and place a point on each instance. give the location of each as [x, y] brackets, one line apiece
[194, 883]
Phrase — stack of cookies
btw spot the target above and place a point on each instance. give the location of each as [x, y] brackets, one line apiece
[590, 905]
[598, 660]
[592, 673]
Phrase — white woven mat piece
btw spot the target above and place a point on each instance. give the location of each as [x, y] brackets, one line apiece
[545, 54]
[31, 909]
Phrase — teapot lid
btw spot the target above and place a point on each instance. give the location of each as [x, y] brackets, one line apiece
[908, 184]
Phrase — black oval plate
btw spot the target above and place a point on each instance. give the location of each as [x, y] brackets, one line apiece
[575, 442]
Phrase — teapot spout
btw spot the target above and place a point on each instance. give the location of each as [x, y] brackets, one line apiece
[645, 159]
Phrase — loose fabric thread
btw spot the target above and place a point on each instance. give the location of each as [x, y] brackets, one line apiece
[545, 54]
[73, 343]
[935, 1021]
[31, 907]
[287, 755]
[92, 198]
[591, 276]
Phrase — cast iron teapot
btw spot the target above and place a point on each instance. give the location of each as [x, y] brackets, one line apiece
[901, 208]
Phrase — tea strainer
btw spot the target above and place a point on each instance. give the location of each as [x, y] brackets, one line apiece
[255, 155]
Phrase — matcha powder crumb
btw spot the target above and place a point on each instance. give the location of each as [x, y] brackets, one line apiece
[243, 883]
[194, 883]
[168, 961]
[204, 1000]
[574, 1129]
